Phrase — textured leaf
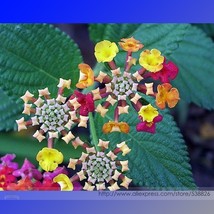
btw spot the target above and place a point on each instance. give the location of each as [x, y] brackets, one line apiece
[33, 57]
[195, 60]
[112, 32]
[158, 160]
[207, 28]
[193, 54]
[165, 37]
[36, 56]
[9, 111]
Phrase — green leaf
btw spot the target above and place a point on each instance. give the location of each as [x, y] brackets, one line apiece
[9, 111]
[165, 37]
[28, 147]
[33, 57]
[195, 60]
[113, 32]
[36, 56]
[207, 28]
[189, 47]
[156, 161]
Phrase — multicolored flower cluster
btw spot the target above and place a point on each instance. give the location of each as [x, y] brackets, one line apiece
[56, 116]
[99, 168]
[123, 87]
[27, 177]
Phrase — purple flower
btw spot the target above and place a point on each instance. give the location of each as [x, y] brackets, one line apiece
[28, 170]
[7, 161]
[57, 171]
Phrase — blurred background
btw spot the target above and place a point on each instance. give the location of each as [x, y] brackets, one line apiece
[195, 123]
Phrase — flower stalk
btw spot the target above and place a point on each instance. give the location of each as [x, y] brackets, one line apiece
[93, 131]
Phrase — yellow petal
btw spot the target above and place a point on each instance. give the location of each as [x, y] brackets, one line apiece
[64, 182]
[105, 51]
[151, 60]
[148, 113]
[49, 158]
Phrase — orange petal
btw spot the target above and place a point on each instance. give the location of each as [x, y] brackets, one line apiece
[107, 127]
[81, 85]
[124, 127]
[160, 103]
[86, 76]
[162, 95]
[173, 97]
[166, 86]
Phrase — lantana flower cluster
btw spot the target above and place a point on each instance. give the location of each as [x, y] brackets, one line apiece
[124, 86]
[101, 168]
[28, 177]
[54, 117]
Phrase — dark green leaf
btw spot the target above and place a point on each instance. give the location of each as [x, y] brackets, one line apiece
[9, 111]
[33, 57]
[193, 54]
[195, 60]
[158, 160]
[112, 32]
[165, 37]
[36, 56]
[207, 28]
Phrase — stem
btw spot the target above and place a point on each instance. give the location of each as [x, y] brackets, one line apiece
[60, 91]
[50, 142]
[93, 131]
[74, 178]
[112, 65]
[127, 67]
[116, 114]
[142, 71]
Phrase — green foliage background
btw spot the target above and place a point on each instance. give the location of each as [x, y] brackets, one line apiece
[36, 56]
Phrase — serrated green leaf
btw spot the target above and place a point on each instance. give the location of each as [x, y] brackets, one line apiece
[188, 47]
[9, 111]
[36, 56]
[165, 37]
[156, 161]
[195, 60]
[33, 57]
[112, 32]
